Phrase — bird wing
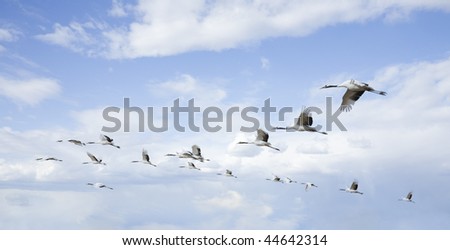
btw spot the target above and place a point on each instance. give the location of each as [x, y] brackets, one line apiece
[354, 186]
[349, 99]
[305, 118]
[145, 156]
[262, 135]
[196, 150]
[409, 196]
[93, 158]
[106, 138]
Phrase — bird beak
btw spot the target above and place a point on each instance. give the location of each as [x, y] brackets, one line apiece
[324, 87]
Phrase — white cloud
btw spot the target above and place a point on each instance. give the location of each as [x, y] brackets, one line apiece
[230, 200]
[158, 29]
[265, 63]
[117, 9]
[78, 37]
[29, 91]
[395, 143]
[186, 86]
[8, 35]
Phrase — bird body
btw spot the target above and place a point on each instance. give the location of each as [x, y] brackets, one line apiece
[407, 198]
[308, 185]
[262, 138]
[228, 173]
[99, 185]
[352, 189]
[94, 160]
[276, 178]
[145, 158]
[73, 141]
[185, 154]
[47, 159]
[302, 123]
[195, 154]
[289, 180]
[105, 140]
[190, 165]
[355, 89]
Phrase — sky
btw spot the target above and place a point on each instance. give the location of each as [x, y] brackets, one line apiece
[63, 63]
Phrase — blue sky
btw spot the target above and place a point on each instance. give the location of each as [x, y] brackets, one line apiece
[62, 63]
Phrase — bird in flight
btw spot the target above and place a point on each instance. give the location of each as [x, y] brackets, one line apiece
[99, 185]
[75, 142]
[407, 198]
[355, 89]
[195, 154]
[262, 138]
[352, 189]
[308, 185]
[48, 159]
[145, 158]
[105, 140]
[303, 123]
[228, 173]
[276, 178]
[94, 160]
[190, 166]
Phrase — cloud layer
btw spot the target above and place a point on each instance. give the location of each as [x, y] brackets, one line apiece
[30, 91]
[158, 29]
[395, 144]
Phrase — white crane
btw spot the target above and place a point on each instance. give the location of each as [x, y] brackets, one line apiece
[195, 154]
[353, 188]
[308, 185]
[73, 141]
[276, 179]
[407, 198]
[289, 180]
[47, 159]
[145, 158]
[99, 185]
[94, 160]
[105, 140]
[355, 89]
[228, 173]
[303, 123]
[184, 154]
[261, 140]
[190, 166]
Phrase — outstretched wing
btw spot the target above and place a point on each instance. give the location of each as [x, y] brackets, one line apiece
[354, 186]
[106, 138]
[196, 150]
[145, 156]
[262, 135]
[349, 99]
[305, 118]
[93, 158]
[409, 196]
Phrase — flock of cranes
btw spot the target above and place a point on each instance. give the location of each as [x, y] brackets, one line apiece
[355, 89]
